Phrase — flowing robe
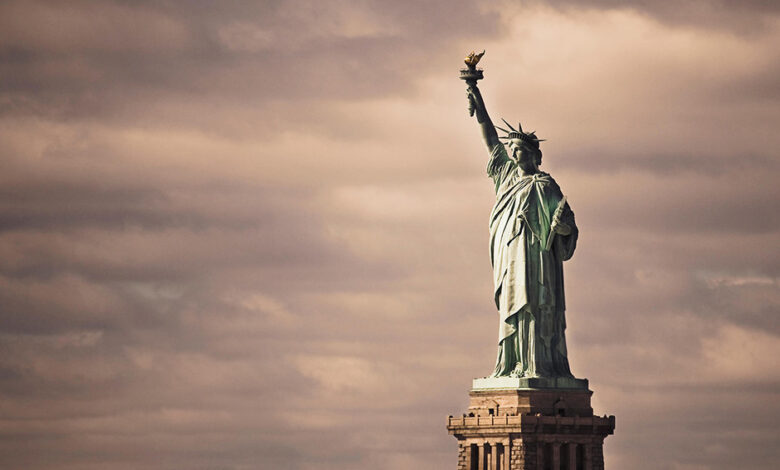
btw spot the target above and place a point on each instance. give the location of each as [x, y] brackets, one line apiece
[528, 278]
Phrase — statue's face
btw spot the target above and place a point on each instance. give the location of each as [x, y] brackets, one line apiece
[525, 157]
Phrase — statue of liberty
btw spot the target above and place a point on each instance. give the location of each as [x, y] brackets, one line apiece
[532, 232]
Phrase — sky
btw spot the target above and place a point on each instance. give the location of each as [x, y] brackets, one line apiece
[253, 235]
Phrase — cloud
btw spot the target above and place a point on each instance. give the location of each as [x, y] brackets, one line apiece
[743, 17]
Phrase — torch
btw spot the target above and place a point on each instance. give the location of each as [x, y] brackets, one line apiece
[471, 74]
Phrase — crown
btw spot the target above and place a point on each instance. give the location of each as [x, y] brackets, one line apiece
[518, 134]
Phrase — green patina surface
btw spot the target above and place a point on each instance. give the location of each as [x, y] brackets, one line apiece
[532, 232]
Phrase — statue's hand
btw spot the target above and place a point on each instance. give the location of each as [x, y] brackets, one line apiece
[559, 227]
[474, 102]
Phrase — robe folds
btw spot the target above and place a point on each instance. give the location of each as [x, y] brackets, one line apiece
[528, 277]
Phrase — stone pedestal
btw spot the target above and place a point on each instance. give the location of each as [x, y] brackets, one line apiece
[530, 429]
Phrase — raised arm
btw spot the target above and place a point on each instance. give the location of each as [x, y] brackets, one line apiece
[477, 108]
[476, 104]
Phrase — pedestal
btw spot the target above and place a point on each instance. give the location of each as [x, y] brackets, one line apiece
[518, 428]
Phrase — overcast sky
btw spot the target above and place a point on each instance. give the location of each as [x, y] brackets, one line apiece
[253, 235]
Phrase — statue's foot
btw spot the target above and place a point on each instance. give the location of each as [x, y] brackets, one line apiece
[517, 373]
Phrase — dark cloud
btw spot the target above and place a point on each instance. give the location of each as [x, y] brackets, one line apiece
[129, 56]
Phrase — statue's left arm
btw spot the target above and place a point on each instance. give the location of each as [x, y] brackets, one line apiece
[566, 232]
[563, 230]
[558, 224]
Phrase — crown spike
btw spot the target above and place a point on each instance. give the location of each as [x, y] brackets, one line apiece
[510, 125]
[501, 129]
[519, 126]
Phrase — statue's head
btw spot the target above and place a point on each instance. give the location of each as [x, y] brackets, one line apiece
[528, 157]
[523, 146]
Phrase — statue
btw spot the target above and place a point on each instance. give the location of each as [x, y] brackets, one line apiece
[532, 232]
